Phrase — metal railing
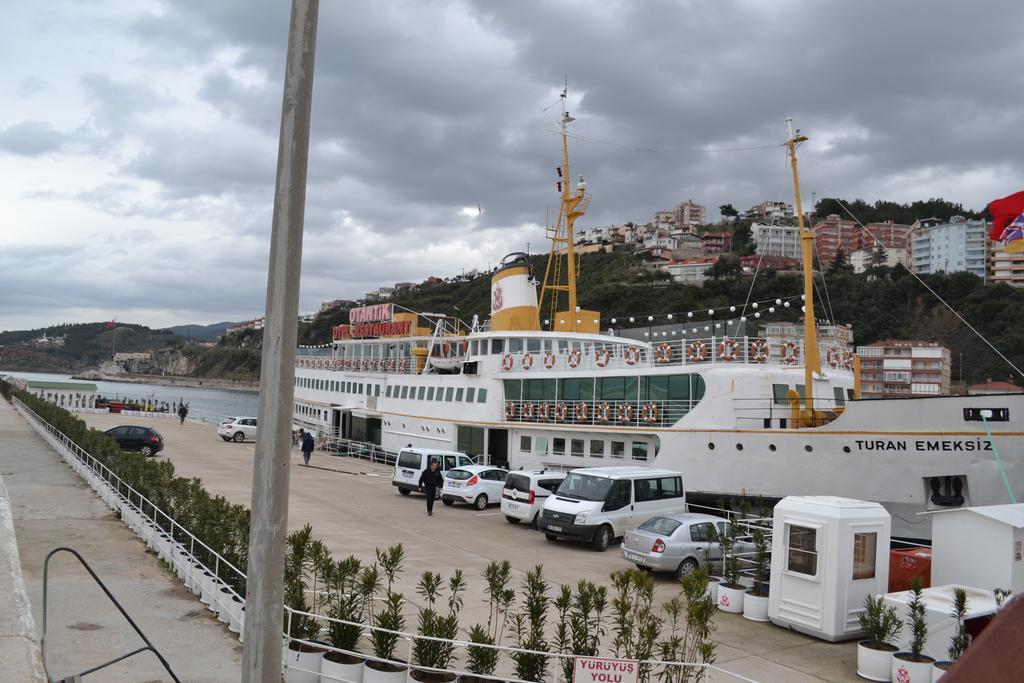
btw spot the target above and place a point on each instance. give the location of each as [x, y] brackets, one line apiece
[221, 598]
[608, 413]
[149, 647]
[405, 365]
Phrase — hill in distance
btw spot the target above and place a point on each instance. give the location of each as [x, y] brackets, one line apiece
[195, 331]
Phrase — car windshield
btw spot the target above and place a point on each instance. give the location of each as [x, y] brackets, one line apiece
[459, 475]
[584, 487]
[661, 525]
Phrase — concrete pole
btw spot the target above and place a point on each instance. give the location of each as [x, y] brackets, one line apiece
[261, 655]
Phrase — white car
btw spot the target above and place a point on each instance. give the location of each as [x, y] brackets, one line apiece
[238, 429]
[525, 493]
[478, 485]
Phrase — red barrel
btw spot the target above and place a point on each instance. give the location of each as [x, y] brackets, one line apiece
[116, 406]
[905, 564]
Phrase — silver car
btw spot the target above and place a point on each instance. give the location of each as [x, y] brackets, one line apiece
[674, 543]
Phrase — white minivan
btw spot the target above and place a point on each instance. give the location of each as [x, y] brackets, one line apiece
[597, 504]
[412, 461]
[525, 493]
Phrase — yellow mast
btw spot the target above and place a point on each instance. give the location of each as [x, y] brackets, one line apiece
[574, 205]
[812, 359]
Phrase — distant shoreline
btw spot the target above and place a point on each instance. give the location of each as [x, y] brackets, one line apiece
[171, 381]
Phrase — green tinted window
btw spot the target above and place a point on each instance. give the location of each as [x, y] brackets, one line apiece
[430, 393]
[679, 387]
[481, 396]
[657, 389]
[458, 394]
[513, 389]
[611, 388]
[533, 389]
[569, 389]
[587, 389]
[840, 396]
[470, 394]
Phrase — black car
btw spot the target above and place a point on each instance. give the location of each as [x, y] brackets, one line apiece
[145, 440]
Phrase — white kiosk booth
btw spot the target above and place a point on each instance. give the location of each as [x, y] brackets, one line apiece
[828, 554]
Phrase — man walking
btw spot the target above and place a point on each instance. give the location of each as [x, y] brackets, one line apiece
[182, 412]
[431, 482]
[307, 447]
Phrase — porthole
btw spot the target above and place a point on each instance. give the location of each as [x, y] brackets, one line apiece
[846, 449]
[771, 447]
[808, 448]
[711, 446]
[739, 447]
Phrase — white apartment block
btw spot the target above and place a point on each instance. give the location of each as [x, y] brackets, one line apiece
[954, 247]
[776, 240]
[778, 333]
[895, 368]
[1003, 267]
[770, 211]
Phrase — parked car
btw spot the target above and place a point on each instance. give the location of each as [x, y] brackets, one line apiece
[145, 440]
[598, 504]
[674, 543]
[412, 461]
[525, 492]
[479, 485]
[238, 429]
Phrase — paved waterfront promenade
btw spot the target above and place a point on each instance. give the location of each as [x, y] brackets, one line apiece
[53, 507]
[353, 508]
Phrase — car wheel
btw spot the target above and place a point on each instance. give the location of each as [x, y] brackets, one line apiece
[686, 567]
[511, 520]
[225, 438]
[146, 451]
[551, 537]
[481, 502]
[602, 539]
[448, 502]
[404, 492]
[536, 521]
[239, 437]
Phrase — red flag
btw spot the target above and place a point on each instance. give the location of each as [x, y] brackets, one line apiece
[112, 324]
[1003, 211]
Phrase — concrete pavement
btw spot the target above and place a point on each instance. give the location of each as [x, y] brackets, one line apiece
[53, 507]
[353, 508]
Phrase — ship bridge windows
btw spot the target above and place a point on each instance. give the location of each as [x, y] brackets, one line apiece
[533, 345]
[497, 345]
[515, 345]
[840, 396]
[470, 394]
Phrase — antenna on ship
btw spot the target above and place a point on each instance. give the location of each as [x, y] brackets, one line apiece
[563, 267]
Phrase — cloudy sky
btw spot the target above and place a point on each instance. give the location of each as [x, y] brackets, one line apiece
[138, 139]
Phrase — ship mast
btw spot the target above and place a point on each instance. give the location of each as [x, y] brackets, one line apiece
[812, 359]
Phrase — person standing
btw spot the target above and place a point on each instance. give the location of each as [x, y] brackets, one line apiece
[307, 447]
[182, 413]
[431, 482]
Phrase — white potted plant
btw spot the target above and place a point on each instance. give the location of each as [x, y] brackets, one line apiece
[389, 622]
[351, 588]
[914, 666]
[755, 602]
[960, 640]
[881, 625]
[730, 590]
[304, 561]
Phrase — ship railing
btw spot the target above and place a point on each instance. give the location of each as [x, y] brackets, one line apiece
[622, 413]
[392, 366]
[767, 412]
[337, 445]
[687, 352]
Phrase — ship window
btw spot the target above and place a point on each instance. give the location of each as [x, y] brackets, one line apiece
[656, 388]
[524, 444]
[420, 393]
[849, 395]
[611, 388]
[840, 396]
[369, 388]
[513, 389]
[569, 389]
[430, 393]
[405, 392]
[376, 390]
[533, 345]
[470, 394]
[577, 447]
[458, 395]
[448, 393]
[563, 345]
[387, 391]
[439, 396]
[558, 446]
[618, 449]
[515, 345]
[639, 450]
[802, 551]
[779, 392]
[596, 448]
[540, 445]
[497, 345]
[481, 396]
[474, 348]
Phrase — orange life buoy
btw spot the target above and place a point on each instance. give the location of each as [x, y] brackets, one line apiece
[759, 351]
[632, 355]
[447, 350]
[506, 362]
[602, 357]
[789, 353]
[624, 413]
[603, 412]
[510, 410]
[833, 356]
[697, 351]
[543, 411]
[549, 360]
[581, 411]
[529, 410]
[401, 365]
[561, 411]
[527, 361]
[664, 353]
[846, 360]
[649, 413]
[727, 349]
[574, 358]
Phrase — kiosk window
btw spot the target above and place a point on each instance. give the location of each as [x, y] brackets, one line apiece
[864, 546]
[802, 553]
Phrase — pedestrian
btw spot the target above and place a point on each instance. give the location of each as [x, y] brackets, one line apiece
[182, 412]
[431, 481]
[307, 447]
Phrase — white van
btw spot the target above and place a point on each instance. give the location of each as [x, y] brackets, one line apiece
[597, 504]
[412, 461]
[525, 493]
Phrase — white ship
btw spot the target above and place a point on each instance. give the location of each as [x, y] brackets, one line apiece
[729, 411]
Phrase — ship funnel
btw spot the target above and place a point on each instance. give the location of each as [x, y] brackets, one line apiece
[514, 296]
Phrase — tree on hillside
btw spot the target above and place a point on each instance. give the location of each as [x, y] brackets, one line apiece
[879, 256]
[726, 266]
[728, 212]
[743, 239]
[840, 264]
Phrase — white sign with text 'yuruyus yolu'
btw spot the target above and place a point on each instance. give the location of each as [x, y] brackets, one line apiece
[601, 670]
